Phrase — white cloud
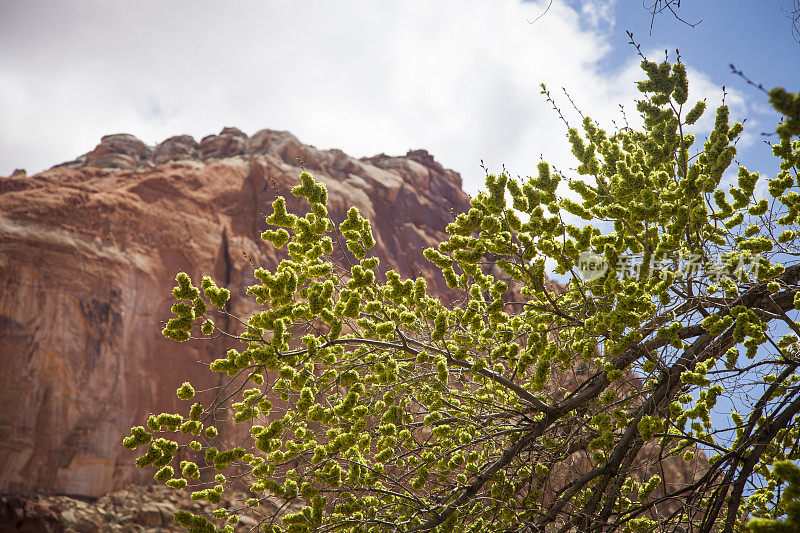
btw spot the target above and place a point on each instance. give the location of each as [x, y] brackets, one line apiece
[598, 11]
[457, 77]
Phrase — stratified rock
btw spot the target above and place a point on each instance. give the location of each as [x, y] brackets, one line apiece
[175, 149]
[120, 151]
[229, 143]
[285, 146]
[87, 261]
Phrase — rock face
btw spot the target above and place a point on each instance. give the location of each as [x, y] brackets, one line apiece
[88, 253]
[135, 509]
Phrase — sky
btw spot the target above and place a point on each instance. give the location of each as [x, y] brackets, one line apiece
[459, 78]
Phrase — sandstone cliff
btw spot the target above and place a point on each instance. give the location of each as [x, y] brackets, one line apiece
[88, 252]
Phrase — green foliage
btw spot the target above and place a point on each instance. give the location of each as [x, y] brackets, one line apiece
[185, 391]
[514, 404]
[789, 503]
[788, 105]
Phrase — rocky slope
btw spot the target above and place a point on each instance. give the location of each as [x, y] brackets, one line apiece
[88, 253]
[136, 509]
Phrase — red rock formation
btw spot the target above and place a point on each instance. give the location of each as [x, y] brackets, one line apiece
[176, 149]
[88, 252]
[135, 509]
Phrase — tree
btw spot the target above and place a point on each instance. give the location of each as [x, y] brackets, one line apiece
[517, 403]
